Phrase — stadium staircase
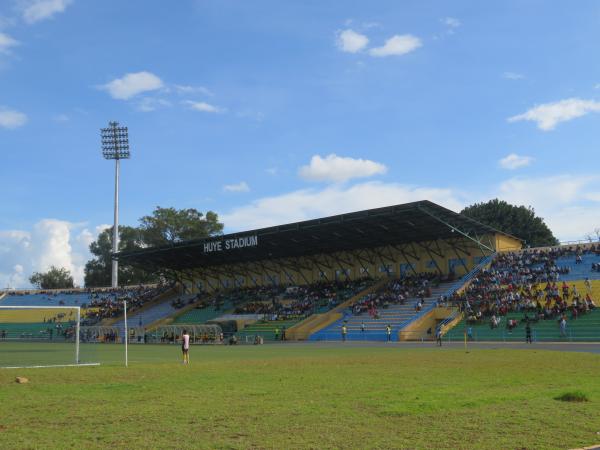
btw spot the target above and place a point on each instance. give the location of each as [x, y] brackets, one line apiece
[322, 319]
[422, 326]
[375, 329]
[398, 316]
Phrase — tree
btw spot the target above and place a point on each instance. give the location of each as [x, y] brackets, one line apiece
[169, 225]
[165, 226]
[54, 278]
[98, 270]
[519, 221]
[593, 236]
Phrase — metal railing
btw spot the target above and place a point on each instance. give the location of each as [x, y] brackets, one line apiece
[591, 334]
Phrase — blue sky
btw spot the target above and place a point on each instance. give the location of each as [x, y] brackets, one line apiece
[269, 112]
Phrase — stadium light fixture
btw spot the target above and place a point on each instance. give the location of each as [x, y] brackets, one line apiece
[115, 145]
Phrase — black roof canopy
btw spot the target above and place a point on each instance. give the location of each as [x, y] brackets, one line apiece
[392, 225]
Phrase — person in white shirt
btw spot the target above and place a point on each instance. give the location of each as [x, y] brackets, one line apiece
[185, 347]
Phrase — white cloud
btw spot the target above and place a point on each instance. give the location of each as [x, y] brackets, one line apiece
[397, 45]
[451, 22]
[132, 84]
[570, 204]
[564, 201]
[513, 76]
[548, 115]
[204, 107]
[6, 43]
[514, 161]
[339, 169]
[242, 186]
[350, 41]
[37, 10]
[10, 118]
[313, 203]
[593, 196]
[544, 192]
[49, 242]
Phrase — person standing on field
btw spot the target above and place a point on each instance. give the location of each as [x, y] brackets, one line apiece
[388, 330]
[185, 347]
[344, 331]
[588, 285]
[438, 336]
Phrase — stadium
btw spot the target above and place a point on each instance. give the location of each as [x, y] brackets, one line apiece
[299, 225]
[273, 313]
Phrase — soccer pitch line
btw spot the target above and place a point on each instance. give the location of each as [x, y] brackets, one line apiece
[52, 366]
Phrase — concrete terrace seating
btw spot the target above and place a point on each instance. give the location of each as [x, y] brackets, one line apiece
[274, 302]
[395, 315]
[150, 315]
[579, 271]
[35, 331]
[202, 315]
[585, 328]
[266, 329]
[61, 299]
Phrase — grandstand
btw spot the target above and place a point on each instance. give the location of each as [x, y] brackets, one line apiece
[35, 324]
[46, 298]
[255, 274]
[413, 267]
[100, 308]
[542, 287]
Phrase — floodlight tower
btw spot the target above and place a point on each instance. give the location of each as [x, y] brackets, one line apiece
[115, 145]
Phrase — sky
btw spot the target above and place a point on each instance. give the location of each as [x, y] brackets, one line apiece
[270, 112]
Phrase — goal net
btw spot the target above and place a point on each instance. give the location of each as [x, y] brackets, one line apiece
[32, 336]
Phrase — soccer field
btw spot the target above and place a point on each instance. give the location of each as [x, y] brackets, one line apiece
[302, 396]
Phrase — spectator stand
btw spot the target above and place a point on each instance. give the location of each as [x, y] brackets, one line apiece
[422, 325]
[536, 286]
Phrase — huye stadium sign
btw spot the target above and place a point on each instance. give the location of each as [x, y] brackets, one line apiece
[230, 244]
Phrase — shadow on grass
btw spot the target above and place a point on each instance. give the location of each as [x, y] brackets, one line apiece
[575, 396]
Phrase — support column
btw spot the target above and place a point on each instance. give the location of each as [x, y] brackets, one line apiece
[115, 239]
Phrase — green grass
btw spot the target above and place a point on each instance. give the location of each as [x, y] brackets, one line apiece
[302, 396]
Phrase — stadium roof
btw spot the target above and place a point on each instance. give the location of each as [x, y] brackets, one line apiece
[393, 225]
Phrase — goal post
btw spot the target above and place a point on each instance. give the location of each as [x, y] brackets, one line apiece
[41, 336]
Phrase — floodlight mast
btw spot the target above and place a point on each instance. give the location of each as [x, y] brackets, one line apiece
[115, 145]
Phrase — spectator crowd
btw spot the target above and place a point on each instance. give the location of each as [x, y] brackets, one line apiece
[527, 282]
